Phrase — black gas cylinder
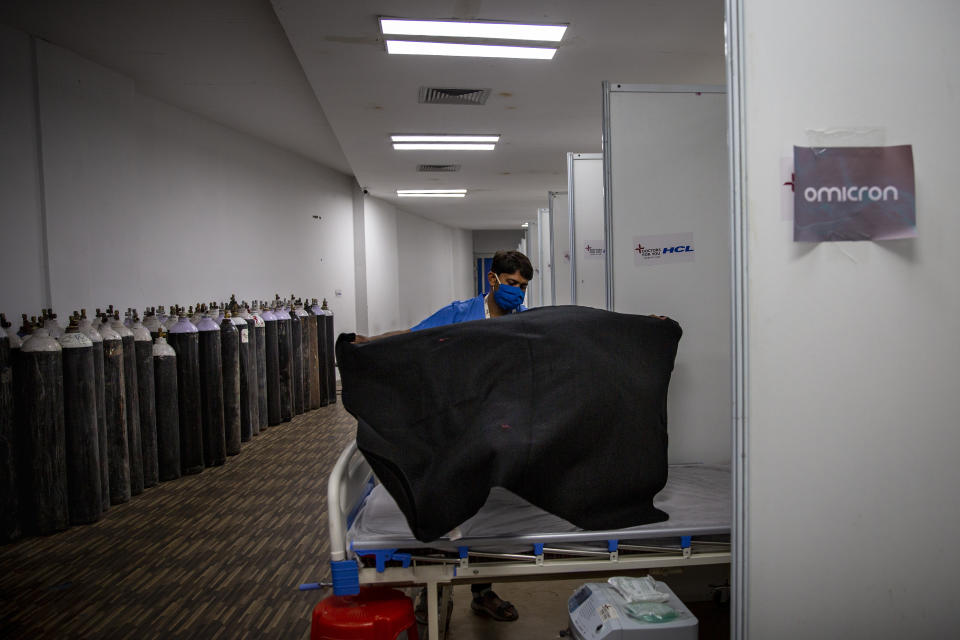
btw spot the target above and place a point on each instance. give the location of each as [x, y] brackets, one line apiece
[296, 363]
[41, 437]
[168, 412]
[322, 353]
[249, 325]
[259, 333]
[312, 358]
[211, 393]
[285, 363]
[185, 340]
[331, 357]
[9, 488]
[115, 415]
[143, 344]
[80, 426]
[135, 454]
[230, 363]
[272, 350]
[87, 328]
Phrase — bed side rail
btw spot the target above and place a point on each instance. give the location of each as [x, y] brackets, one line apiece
[349, 482]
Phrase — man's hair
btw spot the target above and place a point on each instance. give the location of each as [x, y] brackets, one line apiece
[511, 262]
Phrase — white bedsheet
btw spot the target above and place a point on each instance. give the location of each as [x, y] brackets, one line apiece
[696, 497]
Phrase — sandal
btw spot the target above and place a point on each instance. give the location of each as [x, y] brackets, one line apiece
[490, 604]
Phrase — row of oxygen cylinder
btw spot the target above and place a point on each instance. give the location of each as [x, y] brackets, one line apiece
[97, 412]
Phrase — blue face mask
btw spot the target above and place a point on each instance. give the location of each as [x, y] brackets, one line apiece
[507, 296]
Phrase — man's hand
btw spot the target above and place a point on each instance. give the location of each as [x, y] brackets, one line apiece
[359, 339]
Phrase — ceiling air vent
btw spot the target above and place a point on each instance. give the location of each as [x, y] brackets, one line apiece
[436, 95]
[438, 167]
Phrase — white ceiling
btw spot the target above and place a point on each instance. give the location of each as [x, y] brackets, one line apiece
[313, 76]
[543, 109]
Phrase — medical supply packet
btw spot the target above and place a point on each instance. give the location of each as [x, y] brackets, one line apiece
[638, 589]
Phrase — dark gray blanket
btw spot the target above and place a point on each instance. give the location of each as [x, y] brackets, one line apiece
[564, 406]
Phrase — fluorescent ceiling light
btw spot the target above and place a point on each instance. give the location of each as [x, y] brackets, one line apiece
[525, 225]
[457, 29]
[454, 146]
[401, 192]
[431, 195]
[408, 47]
[443, 138]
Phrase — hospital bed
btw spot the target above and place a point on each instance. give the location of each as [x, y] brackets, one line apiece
[511, 539]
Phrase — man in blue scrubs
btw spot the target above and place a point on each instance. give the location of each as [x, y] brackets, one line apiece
[509, 275]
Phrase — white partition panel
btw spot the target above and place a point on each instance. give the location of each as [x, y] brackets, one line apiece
[532, 236]
[587, 239]
[545, 251]
[666, 210]
[560, 240]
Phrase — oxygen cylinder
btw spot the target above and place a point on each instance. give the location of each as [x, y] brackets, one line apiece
[143, 350]
[9, 487]
[172, 319]
[304, 317]
[41, 438]
[115, 414]
[135, 456]
[296, 362]
[322, 352]
[211, 393]
[50, 324]
[331, 358]
[87, 329]
[167, 403]
[259, 333]
[84, 502]
[152, 324]
[243, 346]
[185, 340]
[230, 363]
[253, 408]
[272, 350]
[284, 363]
[312, 357]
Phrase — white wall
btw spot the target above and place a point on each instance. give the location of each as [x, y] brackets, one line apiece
[383, 283]
[147, 204]
[854, 400]
[413, 266]
[22, 266]
[435, 262]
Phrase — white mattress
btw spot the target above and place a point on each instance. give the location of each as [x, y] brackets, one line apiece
[696, 497]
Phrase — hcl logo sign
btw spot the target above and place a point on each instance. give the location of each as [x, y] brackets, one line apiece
[665, 249]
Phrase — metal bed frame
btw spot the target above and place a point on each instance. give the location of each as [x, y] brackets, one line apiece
[551, 556]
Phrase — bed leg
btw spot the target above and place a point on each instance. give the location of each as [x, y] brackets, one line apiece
[446, 595]
[433, 617]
